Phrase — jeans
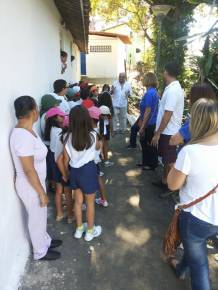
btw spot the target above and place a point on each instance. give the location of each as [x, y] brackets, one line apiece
[133, 135]
[194, 234]
[149, 152]
[120, 116]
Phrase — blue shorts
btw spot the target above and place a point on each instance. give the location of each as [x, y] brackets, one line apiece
[57, 176]
[85, 178]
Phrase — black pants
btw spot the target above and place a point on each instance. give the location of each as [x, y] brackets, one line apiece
[149, 153]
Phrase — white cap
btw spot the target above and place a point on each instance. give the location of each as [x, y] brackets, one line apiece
[105, 110]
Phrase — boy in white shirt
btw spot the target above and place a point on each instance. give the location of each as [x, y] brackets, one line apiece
[60, 90]
[169, 120]
[73, 95]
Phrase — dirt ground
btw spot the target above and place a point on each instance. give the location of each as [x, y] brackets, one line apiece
[127, 255]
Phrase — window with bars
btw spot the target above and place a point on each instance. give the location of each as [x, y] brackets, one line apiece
[100, 48]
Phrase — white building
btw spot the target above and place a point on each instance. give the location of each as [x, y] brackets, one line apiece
[107, 54]
[32, 34]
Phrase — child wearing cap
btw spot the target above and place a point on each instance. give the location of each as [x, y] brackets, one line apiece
[73, 95]
[105, 132]
[80, 147]
[53, 129]
[95, 113]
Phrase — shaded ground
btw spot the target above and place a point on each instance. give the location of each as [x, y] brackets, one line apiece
[127, 255]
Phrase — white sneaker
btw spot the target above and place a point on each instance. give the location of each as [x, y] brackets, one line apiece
[101, 202]
[96, 232]
[108, 163]
[79, 232]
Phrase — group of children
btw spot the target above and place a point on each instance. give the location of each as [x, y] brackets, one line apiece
[76, 132]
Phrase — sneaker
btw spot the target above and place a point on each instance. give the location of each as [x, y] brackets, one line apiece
[59, 218]
[79, 231]
[94, 233]
[129, 147]
[102, 202]
[101, 174]
[55, 244]
[51, 255]
[108, 163]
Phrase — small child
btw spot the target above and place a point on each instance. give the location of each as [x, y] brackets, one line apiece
[94, 113]
[53, 129]
[80, 146]
[73, 95]
[105, 132]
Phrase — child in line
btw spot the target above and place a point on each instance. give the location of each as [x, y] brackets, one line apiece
[73, 95]
[80, 146]
[53, 129]
[95, 113]
[105, 132]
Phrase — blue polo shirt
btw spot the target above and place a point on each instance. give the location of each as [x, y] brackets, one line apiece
[185, 132]
[150, 100]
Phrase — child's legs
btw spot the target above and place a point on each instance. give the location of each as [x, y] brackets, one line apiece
[78, 206]
[58, 199]
[69, 201]
[90, 212]
[105, 149]
[102, 187]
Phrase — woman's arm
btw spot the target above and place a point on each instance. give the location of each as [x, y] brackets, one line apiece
[175, 179]
[66, 160]
[145, 119]
[33, 178]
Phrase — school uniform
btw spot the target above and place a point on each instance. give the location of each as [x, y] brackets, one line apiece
[83, 170]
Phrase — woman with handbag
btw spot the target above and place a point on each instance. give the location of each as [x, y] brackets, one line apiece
[195, 174]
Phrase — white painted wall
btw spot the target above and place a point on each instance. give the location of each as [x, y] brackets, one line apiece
[105, 65]
[29, 63]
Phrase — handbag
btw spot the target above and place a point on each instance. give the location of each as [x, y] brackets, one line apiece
[172, 238]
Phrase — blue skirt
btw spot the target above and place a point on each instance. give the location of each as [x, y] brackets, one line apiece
[85, 178]
[57, 176]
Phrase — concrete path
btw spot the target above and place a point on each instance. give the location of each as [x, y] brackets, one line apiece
[127, 255]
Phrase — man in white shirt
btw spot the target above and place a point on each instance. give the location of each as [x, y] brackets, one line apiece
[121, 90]
[169, 120]
[60, 90]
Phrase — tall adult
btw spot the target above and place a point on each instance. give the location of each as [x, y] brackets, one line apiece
[195, 174]
[169, 120]
[29, 157]
[147, 122]
[60, 89]
[121, 90]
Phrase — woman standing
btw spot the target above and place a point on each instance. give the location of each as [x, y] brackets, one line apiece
[29, 157]
[147, 122]
[195, 174]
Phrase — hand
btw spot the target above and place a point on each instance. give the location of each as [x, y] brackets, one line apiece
[155, 140]
[44, 200]
[142, 131]
[176, 139]
[66, 177]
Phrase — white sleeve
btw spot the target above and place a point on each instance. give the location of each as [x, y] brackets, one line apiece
[183, 162]
[59, 148]
[171, 101]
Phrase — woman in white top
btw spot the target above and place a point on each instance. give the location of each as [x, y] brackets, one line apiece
[80, 147]
[195, 174]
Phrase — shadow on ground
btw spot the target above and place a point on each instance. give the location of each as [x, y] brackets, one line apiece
[127, 255]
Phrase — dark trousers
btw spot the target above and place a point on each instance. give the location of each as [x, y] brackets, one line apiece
[133, 136]
[149, 153]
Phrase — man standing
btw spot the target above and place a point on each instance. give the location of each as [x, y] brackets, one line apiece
[121, 90]
[169, 120]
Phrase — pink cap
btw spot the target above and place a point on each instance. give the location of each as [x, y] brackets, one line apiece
[94, 112]
[54, 112]
[88, 103]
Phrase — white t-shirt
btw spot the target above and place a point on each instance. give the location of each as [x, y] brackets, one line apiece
[55, 134]
[121, 94]
[73, 104]
[64, 106]
[173, 101]
[199, 163]
[97, 152]
[80, 158]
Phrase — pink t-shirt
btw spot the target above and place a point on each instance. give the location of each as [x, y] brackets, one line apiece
[23, 143]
